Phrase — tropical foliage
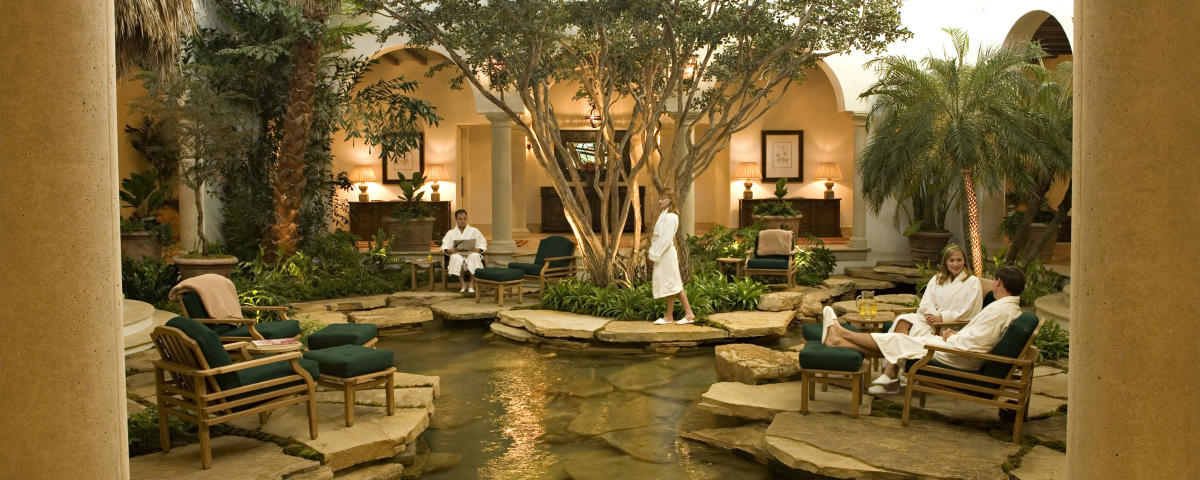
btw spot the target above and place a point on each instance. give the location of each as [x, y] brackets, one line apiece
[709, 293]
[328, 266]
[723, 63]
[1039, 280]
[148, 279]
[943, 127]
[1052, 341]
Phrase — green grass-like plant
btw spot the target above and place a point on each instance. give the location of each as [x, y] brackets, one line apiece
[708, 293]
[1052, 341]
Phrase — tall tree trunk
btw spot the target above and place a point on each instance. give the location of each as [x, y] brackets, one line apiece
[973, 221]
[288, 187]
[1051, 233]
[203, 247]
[1020, 241]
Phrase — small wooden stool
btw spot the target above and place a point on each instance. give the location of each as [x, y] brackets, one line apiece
[501, 279]
[821, 364]
[352, 367]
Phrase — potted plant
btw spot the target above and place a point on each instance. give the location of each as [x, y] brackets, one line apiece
[778, 213]
[930, 204]
[410, 226]
[142, 235]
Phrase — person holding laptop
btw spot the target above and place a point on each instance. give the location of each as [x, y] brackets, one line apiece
[464, 245]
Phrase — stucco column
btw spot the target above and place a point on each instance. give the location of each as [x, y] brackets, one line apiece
[501, 246]
[858, 237]
[520, 228]
[687, 207]
[1134, 226]
[62, 386]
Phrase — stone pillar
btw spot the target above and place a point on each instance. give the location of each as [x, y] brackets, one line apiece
[858, 237]
[520, 156]
[62, 363]
[687, 205]
[1134, 226]
[501, 247]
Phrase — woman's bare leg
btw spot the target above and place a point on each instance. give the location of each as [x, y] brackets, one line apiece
[902, 326]
[687, 307]
[840, 337]
[670, 312]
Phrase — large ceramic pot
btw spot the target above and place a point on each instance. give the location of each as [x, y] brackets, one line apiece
[785, 222]
[218, 264]
[409, 234]
[1036, 232]
[139, 245]
[927, 246]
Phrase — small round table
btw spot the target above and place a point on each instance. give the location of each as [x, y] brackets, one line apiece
[724, 263]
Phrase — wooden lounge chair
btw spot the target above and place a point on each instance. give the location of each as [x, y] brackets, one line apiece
[554, 261]
[240, 329]
[1005, 380]
[772, 264]
[197, 381]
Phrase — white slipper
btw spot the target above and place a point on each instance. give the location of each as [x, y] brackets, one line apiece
[661, 321]
[889, 389]
[684, 321]
[828, 318]
[470, 290]
[883, 379]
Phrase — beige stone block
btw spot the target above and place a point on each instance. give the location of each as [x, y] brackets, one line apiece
[374, 436]
[780, 301]
[422, 299]
[233, 457]
[467, 309]
[748, 438]
[752, 364]
[553, 324]
[763, 402]
[393, 317]
[1041, 463]
[646, 332]
[753, 324]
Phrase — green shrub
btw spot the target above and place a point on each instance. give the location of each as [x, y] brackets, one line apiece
[721, 241]
[814, 263]
[708, 293]
[1052, 341]
[143, 432]
[148, 280]
[328, 266]
[1039, 280]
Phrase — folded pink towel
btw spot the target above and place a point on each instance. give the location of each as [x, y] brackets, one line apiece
[217, 292]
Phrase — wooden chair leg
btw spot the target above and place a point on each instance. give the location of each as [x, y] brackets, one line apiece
[856, 391]
[312, 413]
[205, 447]
[478, 288]
[262, 418]
[520, 294]
[349, 393]
[805, 382]
[922, 398]
[907, 403]
[412, 277]
[164, 431]
[812, 387]
[391, 394]
[500, 294]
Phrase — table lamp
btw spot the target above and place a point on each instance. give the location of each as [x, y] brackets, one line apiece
[361, 175]
[434, 174]
[748, 171]
[829, 172]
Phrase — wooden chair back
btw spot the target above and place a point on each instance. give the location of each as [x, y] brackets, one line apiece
[176, 347]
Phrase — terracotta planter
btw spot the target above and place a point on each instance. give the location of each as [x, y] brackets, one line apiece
[191, 267]
[1036, 232]
[139, 245]
[927, 246]
[410, 234]
[785, 222]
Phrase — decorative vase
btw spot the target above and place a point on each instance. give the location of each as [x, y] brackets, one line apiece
[409, 234]
[139, 245]
[785, 222]
[927, 246]
[193, 266]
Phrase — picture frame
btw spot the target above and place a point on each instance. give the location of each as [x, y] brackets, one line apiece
[411, 161]
[782, 155]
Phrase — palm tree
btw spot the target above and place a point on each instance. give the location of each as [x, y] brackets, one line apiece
[149, 33]
[947, 119]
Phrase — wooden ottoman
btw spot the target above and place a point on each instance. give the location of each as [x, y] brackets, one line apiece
[822, 364]
[353, 367]
[501, 279]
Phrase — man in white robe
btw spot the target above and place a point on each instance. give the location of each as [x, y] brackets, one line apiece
[471, 259]
[981, 334]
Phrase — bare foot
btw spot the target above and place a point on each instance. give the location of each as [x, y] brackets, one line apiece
[834, 337]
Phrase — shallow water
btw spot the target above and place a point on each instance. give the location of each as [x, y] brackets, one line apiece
[514, 411]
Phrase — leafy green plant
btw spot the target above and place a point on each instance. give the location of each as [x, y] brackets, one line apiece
[1039, 280]
[327, 266]
[814, 263]
[775, 208]
[720, 242]
[410, 197]
[148, 279]
[143, 193]
[1052, 341]
[708, 293]
[156, 147]
[143, 432]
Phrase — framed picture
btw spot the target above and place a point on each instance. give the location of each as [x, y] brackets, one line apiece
[782, 155]
[411, 161]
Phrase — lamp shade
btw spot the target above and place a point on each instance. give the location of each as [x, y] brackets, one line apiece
[436, 173]
[362, 173]
[829, 171]
[747, 171]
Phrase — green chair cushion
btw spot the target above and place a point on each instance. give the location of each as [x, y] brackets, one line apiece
[1011, 344]
[533, 269]
[499, 274]
[275, 370]
[210, 346]
[988, 298]
[351, 360]
[768, 263]
[340, 334]
[554, 246]
[812, 331]
[820, 357]
[194, 306]
[269, 330]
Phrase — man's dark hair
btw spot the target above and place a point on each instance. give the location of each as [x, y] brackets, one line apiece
[456, 212]
[1012, 278]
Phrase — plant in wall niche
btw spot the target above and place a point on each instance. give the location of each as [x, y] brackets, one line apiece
[145, 195]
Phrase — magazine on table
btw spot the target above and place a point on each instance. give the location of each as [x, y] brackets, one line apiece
[276, 342]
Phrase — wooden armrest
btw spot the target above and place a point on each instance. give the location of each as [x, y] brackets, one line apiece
[258, 362]
[982, 356]
[547, 260]
[235, 321]
[266, 308]
[231, 346]
[515, 255]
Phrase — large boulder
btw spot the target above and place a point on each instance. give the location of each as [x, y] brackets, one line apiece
[870, 273]
[1041, 463]
[839, 285]
[780, 301]
[763, 402]
[911, 272]
[646, 332]
[752, 364]
[753, 324]
[393, 317]
[554, 324]
[233, 457]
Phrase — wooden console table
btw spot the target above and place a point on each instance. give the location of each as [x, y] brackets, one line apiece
[554, 219]
[366, 218]
[822, 216]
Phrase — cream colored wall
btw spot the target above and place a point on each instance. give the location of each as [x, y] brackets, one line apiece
[128, 160]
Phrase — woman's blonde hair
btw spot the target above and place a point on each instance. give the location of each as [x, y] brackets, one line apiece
[673, 197]
[944, 272]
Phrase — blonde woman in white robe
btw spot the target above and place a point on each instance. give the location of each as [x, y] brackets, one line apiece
[665, 277]
[952, 295]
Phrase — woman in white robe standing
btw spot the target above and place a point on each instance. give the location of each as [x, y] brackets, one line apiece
[665, 277]
[952, 295]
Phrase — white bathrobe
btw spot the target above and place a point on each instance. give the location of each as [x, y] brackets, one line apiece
[980, 335]
[473, 260]
[665, 277]
[957, 300]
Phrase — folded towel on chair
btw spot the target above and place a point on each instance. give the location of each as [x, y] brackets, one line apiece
[217, 292]
[775, 242]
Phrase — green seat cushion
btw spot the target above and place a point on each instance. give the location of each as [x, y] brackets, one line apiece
[554, 246]
[988, 298]
[210, 346]
[194, 306]
[275, 370]
[533, 269]
[820, 357]
[499, 274]
[269, 330]
[1011, 344]
[342, 334]
[351, 360]
[762, 263]
[812, 331]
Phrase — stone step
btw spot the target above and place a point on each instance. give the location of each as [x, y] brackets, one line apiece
[135, 315]
[140, 340]
[1057, 307]
[763, 402]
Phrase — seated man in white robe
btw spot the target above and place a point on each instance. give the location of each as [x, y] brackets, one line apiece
[979, 335]
[471, 258]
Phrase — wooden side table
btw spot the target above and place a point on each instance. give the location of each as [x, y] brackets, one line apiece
[432, 265]
[724, 263]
